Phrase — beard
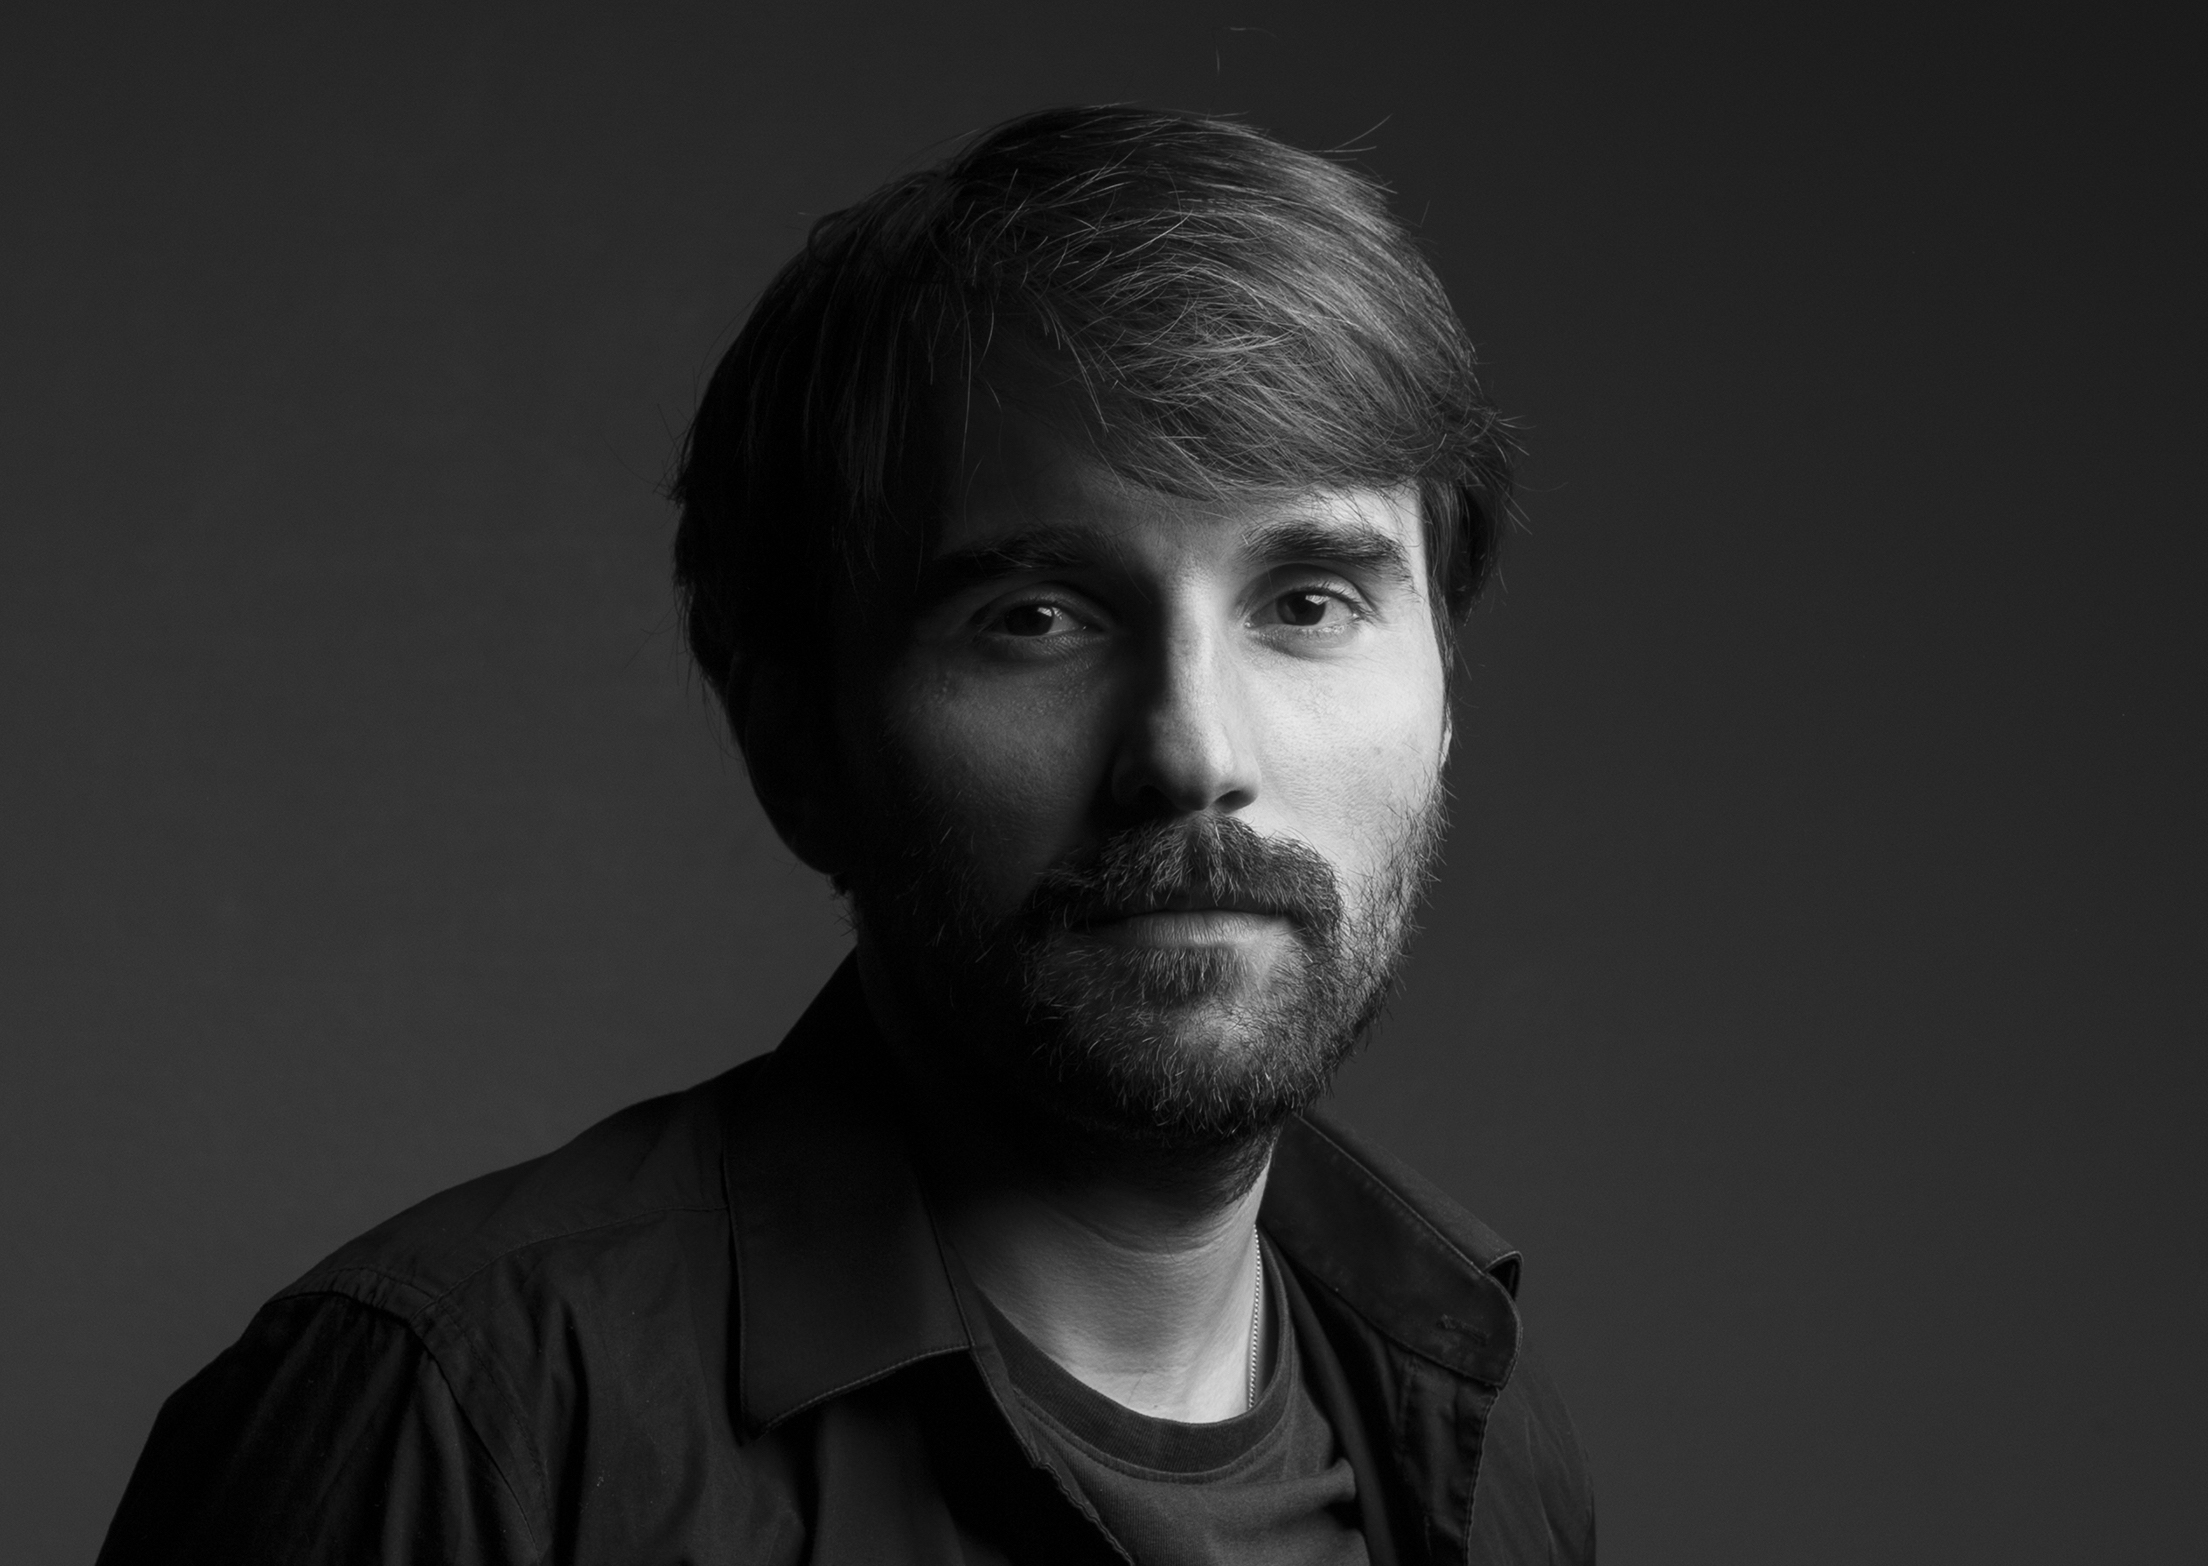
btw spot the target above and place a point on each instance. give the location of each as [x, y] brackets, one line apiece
[1162, 1050]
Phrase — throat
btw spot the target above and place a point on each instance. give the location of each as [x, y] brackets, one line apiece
[1162, 1315]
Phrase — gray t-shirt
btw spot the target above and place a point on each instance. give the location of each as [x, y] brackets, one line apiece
[1268, 1488]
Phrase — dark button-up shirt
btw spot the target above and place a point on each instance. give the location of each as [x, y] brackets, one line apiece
[721, 1326]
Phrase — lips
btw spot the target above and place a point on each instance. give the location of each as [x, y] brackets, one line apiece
[1191, 901]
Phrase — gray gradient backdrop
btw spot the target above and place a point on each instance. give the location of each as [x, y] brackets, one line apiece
[1814, 995]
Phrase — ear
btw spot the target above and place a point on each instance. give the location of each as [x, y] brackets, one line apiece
[786, 731]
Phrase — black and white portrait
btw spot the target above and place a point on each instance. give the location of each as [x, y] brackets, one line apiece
[1166, 785]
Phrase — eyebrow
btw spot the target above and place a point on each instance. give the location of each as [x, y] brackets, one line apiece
[1020, 554]
[1351, 546]
[1354, 546]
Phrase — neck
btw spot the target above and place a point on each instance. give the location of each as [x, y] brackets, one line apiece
[1134, 1270]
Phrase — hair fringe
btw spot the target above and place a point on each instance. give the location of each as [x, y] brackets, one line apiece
[1234, 313]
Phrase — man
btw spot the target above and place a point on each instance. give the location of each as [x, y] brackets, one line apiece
[1074, 536]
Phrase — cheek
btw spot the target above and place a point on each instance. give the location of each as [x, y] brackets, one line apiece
[1009, 770]
[1353, 763]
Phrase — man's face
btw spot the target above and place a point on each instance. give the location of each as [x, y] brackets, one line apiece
[1146, 787]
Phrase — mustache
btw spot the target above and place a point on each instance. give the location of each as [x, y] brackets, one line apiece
[1207, 862]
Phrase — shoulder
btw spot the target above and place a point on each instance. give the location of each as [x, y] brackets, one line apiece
[462, 1366]
[580, 1301]
[325, 1425]
[639, 1181]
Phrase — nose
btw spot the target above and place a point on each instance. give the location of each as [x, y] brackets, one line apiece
[1186, 742]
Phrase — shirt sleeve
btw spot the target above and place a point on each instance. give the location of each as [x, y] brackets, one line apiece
[326, 1434]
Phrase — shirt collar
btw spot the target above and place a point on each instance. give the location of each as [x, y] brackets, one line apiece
[841, 1277]
[1417, 1267]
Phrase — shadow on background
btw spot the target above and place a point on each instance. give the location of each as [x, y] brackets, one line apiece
[1814, 994]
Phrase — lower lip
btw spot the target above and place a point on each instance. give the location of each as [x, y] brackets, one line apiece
[1200, 927]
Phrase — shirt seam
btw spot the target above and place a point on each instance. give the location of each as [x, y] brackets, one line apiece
[523, 1507]
[442, 1311]
[320, 1280]
[536, 1545]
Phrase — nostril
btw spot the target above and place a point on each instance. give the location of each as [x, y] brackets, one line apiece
[1179, 769]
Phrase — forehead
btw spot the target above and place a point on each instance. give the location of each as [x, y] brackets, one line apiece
[1027, 467]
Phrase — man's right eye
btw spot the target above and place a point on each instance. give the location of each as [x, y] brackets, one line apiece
[1032, 621]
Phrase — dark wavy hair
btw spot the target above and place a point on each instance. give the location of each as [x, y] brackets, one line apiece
[1231, 313]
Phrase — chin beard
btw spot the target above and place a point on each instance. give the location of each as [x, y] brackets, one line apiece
[1186, 1058]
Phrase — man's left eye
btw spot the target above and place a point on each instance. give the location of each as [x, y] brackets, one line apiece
[1034, 621]
[1308, 609]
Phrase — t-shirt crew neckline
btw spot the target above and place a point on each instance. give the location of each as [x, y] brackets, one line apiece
[1164, 1449]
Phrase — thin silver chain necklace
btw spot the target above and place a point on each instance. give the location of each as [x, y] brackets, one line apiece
[1257, 1315]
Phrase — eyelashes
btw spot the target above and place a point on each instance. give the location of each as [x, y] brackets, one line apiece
[1311, 609]
[1326, 607]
